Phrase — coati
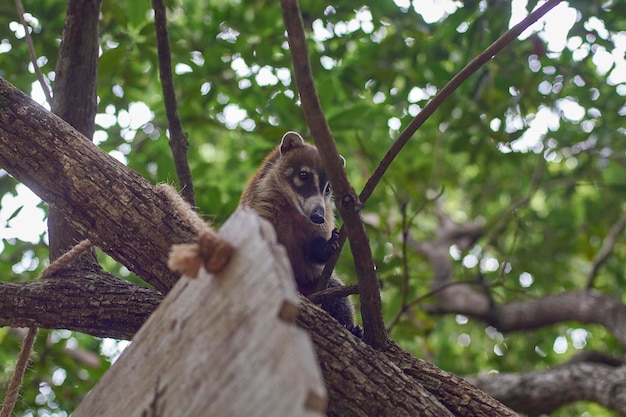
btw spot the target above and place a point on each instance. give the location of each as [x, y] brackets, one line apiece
[291, 190]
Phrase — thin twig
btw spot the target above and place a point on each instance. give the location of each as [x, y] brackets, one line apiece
[447, 91]
[32, 53]
[607, 247]
[347, 200]
[333, 293]
[178, 139]
[433, 292]
[504, 219]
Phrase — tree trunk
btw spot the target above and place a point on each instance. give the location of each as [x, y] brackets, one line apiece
[75, 101]
[122, 213]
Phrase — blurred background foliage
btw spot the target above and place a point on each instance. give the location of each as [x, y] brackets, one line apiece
[532, 148]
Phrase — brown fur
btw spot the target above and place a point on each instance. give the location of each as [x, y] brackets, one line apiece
[278, 193]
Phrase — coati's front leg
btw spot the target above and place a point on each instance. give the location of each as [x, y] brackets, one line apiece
[320, 249]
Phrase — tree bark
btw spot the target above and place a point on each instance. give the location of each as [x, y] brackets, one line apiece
[92, 302]
[75, 101]
[358, 378]
[113, 206]
[120, 211]
[537, 393]
[585, 306]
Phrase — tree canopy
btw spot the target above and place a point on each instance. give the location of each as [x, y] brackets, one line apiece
[498, 230]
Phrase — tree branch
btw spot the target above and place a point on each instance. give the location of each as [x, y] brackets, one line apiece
[349, 366]
[122, 213]
[113, 206]
[447, 91]
[429, 109]
[31, 51]
[333, 293]
[536, 393]
[582, 306]
[75, 101]
[63, 300]
[349, 206]
[178, 138]
[605, 251]
[123, 307]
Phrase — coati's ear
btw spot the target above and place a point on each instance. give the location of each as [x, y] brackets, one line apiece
[343, 160]
[290, 141]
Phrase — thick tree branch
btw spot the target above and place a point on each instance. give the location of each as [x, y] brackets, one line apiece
[100, 197]
[123, 214]
[65, 300]
[357, 376]
[348, 203]
[178, 138]
[536, 393]
[582, 306]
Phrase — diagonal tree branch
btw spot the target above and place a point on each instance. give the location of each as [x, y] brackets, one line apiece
[447, 91]
[99, 196]
[32, 53]
[349, 206]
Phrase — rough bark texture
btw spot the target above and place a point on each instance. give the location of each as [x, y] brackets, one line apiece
[116, 208]
[93, 302]
[537, 393]
[120, 212]
[75, 101]
[388, 382]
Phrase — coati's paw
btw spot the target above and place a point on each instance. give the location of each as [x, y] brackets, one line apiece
[356, 330]
[321, 249]
[333, 242]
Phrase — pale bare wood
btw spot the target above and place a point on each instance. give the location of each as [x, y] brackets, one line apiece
[216, 346]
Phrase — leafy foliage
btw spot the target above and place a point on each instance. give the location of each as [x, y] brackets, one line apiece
[532, 148]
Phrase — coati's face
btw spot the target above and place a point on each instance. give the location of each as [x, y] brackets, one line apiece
[308, 186]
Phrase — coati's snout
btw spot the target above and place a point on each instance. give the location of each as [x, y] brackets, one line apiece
[317, 215]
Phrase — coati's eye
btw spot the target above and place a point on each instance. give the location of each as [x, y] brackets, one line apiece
[304, 175]
[327, 190]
